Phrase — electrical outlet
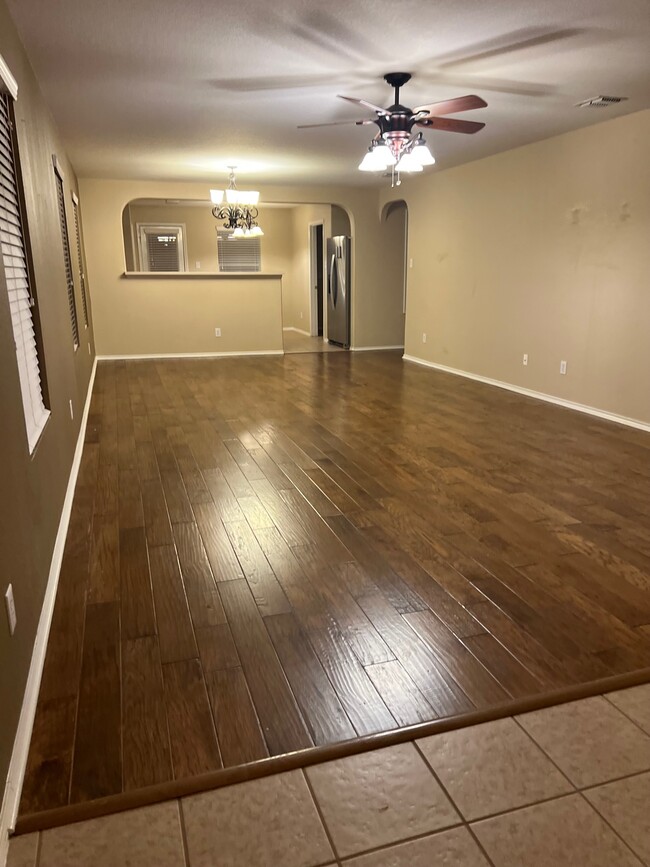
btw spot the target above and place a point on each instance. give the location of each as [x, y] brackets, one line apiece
[217, 332]
[301, 314]
[563, 367]
[11, 609]
[197, 265]
[424, 337]
[410, 263]
[525, 361]
[71, 410]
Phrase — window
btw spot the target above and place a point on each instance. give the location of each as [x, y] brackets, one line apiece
[16, 257]
[80, 258]
[238, 254]
[162, 248]
[69, 279]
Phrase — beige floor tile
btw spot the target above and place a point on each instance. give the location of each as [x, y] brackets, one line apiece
[635, 703]
[626, 806]
[22, 851]
[378, 798]
[151, 835]
[455, 848]
[492, 767]
[256, 824]
[589, 740]
[563, 833]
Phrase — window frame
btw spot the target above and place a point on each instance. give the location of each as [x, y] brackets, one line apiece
[81, 257]
[33, 432]
[59, 179]
[144, 229]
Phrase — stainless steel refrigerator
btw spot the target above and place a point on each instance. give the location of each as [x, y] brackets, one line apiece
[338, 290]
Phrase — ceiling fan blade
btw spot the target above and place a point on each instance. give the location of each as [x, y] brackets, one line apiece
[451, 124]
[518, 40]
[451, 106]
[365, 103]
[279, 82]
[336, 123]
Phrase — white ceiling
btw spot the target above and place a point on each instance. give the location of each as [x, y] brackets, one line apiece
[179, 89]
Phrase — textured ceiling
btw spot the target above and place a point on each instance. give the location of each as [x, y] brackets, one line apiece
[182, 88]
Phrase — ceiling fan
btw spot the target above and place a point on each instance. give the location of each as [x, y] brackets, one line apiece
[396, 144]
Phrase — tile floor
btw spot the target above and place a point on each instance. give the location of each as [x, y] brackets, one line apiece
[293, 341]
[568, 786]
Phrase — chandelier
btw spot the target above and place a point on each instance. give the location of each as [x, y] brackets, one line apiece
[238, 211]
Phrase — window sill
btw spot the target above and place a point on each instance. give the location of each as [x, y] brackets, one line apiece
[201, 275]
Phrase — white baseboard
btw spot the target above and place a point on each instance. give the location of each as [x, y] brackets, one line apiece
[18, 763]
[191, 355]
[373, 348]
[538, 395]
[297, 330]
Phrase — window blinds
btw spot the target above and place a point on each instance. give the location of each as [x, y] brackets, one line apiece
[67, 260]
[21, 303]
[80, 261]
[162, 251]
[238, 254]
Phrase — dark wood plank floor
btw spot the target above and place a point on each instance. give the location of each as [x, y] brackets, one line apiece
[270, 554]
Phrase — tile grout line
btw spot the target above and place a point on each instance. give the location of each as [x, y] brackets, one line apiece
[320, 815]
[624, 713]
[612, 828]
[384, 847]
[181, 816]
[544, 752]
[465, 822]
[576, 786]
[39, 846]
[645, 771]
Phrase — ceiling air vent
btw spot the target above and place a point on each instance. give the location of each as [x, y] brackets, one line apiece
[600, 101]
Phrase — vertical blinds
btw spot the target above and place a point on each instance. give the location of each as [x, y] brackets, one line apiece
[80, 262]
[21, 302]
[67, 260]
[238, 254]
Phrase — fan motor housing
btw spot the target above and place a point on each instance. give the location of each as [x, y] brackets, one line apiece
[398, 124]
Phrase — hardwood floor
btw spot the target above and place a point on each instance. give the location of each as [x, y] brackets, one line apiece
[270, 554]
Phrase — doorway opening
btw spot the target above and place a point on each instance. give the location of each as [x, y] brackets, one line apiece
[316, 276]
[395, 267]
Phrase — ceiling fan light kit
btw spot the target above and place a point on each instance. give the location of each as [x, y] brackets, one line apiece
[397, 145]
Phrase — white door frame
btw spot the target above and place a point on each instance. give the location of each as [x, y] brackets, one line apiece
[313, 306]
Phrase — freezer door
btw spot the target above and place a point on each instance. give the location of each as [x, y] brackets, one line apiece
[338, 285]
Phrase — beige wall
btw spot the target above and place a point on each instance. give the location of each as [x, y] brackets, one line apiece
[178, 315]
[542, 250]
[103, 203]
[297, 288]
[33, 487]
[391, 254]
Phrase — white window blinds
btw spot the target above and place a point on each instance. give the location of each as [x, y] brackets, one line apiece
[238, 254]
[14, 260]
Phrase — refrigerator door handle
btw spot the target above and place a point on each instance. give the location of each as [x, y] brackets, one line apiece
[331, 287]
